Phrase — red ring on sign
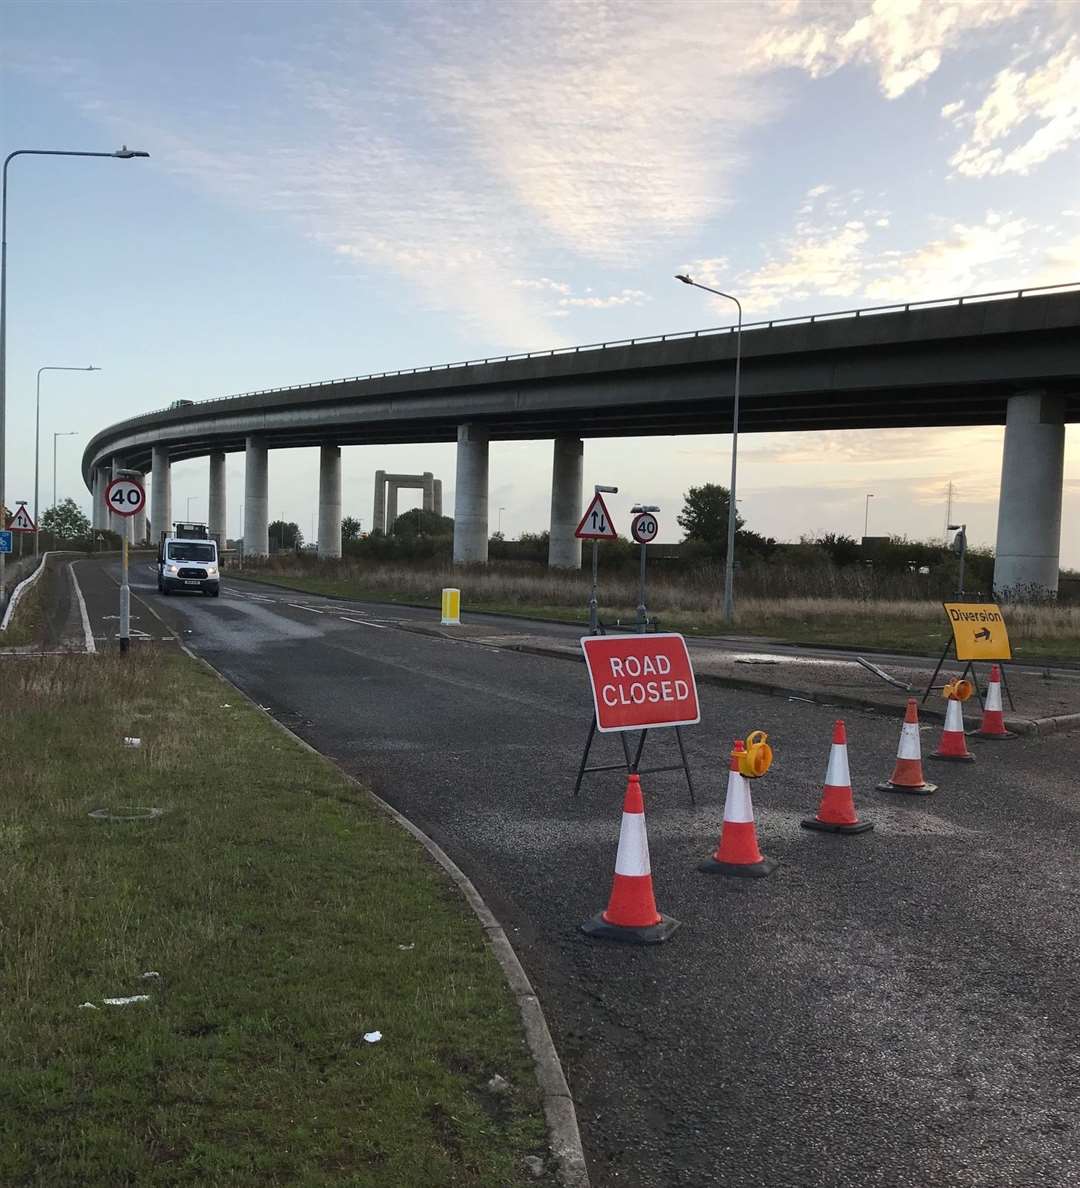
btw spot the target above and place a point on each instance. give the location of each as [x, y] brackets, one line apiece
[127, 509]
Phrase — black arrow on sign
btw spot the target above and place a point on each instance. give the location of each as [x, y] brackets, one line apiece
[983, 634]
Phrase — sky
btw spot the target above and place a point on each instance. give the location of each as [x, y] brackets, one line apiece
[343, 188]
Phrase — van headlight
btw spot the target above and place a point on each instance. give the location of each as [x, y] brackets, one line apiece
[172, 568]
[211, 571]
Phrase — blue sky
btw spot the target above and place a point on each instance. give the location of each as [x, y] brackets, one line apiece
[342, 188]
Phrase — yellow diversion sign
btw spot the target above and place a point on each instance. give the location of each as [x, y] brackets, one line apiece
[979, 631]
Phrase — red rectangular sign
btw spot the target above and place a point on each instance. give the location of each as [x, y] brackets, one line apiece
[641, 681]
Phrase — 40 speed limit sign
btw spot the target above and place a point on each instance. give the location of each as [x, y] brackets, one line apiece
[644, 528]
[125, 497]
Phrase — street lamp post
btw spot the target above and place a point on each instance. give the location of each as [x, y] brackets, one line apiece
[125, 154]
[501, 510]
[866, 515]
[729, 563]
[69, 433]
[37, 449]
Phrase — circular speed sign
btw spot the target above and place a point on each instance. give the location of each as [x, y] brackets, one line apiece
[644, 528]
[125, 497]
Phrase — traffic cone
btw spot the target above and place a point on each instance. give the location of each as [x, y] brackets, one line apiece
[737, 851]
[953, 745]
[631, 912]
[907, 775]
[836, 813]
[993, 724]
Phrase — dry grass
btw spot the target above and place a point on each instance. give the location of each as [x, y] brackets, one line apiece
[692, 604]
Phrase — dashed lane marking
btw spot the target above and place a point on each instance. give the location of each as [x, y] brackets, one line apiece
[297, 606]
[363, 623]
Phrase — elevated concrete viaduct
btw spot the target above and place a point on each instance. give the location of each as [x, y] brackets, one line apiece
[991, 359]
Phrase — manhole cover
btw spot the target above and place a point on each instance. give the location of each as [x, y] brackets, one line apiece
[126, 812]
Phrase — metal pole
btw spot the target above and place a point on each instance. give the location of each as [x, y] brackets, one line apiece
[594, 606]
[866, 515]
[37, 449]
[642, 613]
[729, 563]
[125, 595]
[68, 433]
[125, 154]
[963, 551]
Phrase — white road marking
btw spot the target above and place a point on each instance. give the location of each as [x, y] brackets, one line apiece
[87, 633]
[363, 623]
[297, 606]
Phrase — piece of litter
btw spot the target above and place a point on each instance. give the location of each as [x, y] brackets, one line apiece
[87, 1006]
[498, 1084]
[132, 742]
[126, 1001]
[406, 948]
[226, 705]
[151, 973]
[372, 1037]
[533, 1163]
[267, 708]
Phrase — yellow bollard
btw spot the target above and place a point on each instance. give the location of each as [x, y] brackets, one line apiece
[757, 758]
[451, 608]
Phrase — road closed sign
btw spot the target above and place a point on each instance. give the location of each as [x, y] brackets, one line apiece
[979, 631]
[640, 682]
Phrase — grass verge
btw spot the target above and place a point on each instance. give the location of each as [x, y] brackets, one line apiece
[920, 627]
[286, 917]
[28, 622]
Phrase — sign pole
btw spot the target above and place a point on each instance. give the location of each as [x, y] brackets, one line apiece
[125, 597]
[643, 529]
[594, 604]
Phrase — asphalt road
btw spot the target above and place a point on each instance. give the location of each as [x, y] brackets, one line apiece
[894, 1009]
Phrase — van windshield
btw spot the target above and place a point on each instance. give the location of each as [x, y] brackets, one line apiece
[191, 550]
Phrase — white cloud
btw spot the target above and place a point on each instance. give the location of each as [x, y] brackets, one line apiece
[625, 297]
[903, 40]
[1026, 118]
[545, 283]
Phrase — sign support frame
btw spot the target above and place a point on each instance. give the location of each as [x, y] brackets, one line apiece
[969, 667]
[633, 766]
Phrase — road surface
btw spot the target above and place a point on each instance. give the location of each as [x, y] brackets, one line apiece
[894, 1009]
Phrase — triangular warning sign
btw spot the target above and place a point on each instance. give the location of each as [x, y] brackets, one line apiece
[22, 521]
[596, 522]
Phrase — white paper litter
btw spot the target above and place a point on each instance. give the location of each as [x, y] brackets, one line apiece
[372, 1037]
[126, 1001]
[153, 973]
[87, 1006]
[406, 948]
[132, 742]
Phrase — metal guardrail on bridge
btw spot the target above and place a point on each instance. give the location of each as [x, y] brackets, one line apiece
[899, 307]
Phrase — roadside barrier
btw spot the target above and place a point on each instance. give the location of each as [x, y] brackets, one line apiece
[737, 851]
[993, 723]
[451, 608]
[631, 913]
[24, 587]
[836, 813]
[953, 745]
[907, 775]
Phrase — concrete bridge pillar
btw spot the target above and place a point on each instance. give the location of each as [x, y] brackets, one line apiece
[101, 515]
[436, 497]
[330, 501]
[378, 518]
[471, 496]
[429, 491]
[564, 549]
[160, 492]
[256, 500]
[391, 504]
[217, 514]
[1029, 507]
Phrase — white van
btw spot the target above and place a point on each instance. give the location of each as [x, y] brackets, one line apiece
[188, 560]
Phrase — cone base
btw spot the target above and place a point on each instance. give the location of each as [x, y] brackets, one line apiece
[999, 736]
[915, 790]
[829, 827]
[652, 934]
[740, 870]
[952, 758]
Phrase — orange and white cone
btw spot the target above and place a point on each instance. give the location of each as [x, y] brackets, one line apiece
[631, 912]
[737, 851]
[993, 723]
[907, 775]
[836, 814]
[953, 745]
